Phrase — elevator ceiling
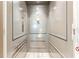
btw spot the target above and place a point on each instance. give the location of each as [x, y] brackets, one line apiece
[37, 2]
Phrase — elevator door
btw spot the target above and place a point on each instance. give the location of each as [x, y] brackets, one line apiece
[38, 20]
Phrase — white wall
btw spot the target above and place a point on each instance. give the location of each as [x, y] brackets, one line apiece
[38, 13]
[9, 29]
[12, 44]
[19, 18]
[58, 13]
[75, 30]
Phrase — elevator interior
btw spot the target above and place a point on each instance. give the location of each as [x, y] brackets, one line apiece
[39, 29]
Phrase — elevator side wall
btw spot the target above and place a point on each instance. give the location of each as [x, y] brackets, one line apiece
[17, 47]
[65, 48]
[38, 16]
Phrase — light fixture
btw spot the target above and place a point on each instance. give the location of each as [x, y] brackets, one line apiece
[21, 9]
[37, 19]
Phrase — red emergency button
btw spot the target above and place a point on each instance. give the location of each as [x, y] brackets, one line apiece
[77, 49]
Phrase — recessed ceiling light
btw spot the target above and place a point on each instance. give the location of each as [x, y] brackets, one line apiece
[21, 9]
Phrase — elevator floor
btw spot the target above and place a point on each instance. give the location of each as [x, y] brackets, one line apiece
[39, 49]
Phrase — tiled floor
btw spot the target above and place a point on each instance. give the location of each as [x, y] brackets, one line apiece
[38, 50]
[37, 55]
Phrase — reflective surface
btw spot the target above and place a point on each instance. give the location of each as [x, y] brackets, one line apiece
[38, 42]
[38, 18]
[39, 49]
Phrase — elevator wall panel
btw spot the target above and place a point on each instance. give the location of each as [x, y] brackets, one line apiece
[17, 32]
[65, 48]
[38, 18]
